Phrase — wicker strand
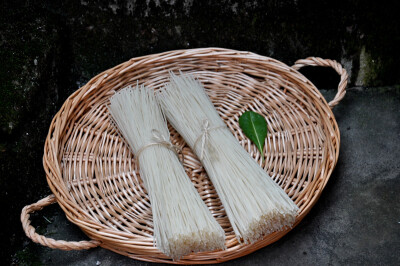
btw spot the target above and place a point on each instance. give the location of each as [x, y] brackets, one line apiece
[46, 241]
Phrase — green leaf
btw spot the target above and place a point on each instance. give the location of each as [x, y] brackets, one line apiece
[255, 128]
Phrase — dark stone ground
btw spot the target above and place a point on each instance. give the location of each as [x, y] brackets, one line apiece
[48, 49]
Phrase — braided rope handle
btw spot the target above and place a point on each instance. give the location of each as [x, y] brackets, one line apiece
[317, 61]
[50, 242]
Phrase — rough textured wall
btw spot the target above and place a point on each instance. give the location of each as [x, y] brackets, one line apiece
[50, 48]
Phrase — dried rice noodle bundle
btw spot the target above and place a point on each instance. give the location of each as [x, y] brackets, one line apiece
[182, 221]
[254, 203]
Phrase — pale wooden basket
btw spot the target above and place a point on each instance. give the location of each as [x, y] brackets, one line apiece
[91, 170]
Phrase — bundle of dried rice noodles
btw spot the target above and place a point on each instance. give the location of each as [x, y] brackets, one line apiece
[254, 203]
[182, 221]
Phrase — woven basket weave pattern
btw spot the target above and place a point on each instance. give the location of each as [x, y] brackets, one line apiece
[91, 170]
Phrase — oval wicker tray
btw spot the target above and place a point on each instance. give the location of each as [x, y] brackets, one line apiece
[92, 174]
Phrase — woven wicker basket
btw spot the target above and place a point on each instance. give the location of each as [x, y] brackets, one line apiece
[92, 174]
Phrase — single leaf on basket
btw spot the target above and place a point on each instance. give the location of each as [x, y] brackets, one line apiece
[255, 128]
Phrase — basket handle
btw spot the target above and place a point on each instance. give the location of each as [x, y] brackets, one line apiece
[317, 61]
[50, 242]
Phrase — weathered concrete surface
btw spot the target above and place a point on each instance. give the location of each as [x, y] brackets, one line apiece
[355, 222]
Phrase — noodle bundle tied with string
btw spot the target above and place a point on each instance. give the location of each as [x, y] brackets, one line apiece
[254, 203]
[182, 222]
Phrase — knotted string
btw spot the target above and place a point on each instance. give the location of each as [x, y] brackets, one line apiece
[205, 133]
[160, 140]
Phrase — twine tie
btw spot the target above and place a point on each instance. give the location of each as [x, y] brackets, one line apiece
[205, 134]
[161, 140]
